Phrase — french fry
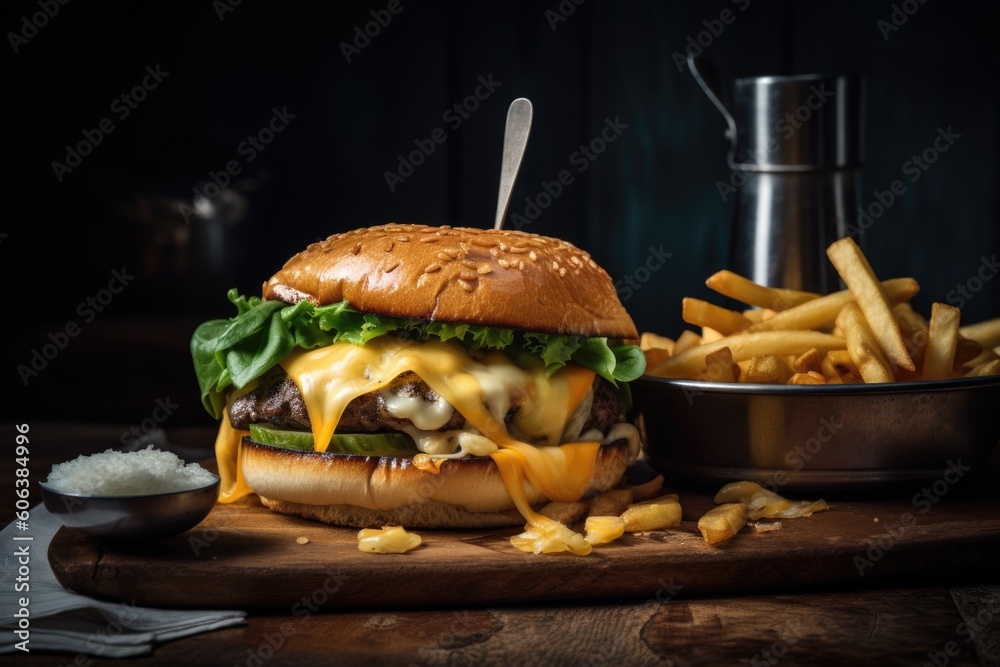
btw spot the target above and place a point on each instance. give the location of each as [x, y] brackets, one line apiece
[986, 368]
[768, 369]
[710, 335]
[650, 341]
[722, 522]
[719, 366]
[742, 289]
[704, 314]
[913, 327]
[942, 339]
[809, 360]
[655, 356]
[872, 299]
[611, 503]
[745, 346]
[986, 333]
[812, 377]
[863, 346]
[843, 366]
[655, 514]
[822, 312]
[686, 341]
[968, 351]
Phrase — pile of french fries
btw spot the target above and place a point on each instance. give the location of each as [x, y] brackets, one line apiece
[865, 334]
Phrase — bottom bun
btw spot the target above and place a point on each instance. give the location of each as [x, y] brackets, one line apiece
[370, 491]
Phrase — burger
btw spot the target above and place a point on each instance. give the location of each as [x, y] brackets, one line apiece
[430, 377]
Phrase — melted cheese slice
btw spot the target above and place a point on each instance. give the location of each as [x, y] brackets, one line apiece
[482, 391]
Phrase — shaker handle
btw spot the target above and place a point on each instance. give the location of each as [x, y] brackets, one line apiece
[705, 74]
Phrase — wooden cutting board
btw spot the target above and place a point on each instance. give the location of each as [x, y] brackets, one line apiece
[244, 556]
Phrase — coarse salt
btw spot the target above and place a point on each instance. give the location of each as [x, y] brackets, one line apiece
[140, 473]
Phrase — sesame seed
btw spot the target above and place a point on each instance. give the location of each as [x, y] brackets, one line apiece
[356, 249]
[445, 227]
[575, 260]
[429, 239]
[392, 267]
[519, 249]
[484, 269]
[302, 540]
[403, 239]
[389, 247]
[494, 252]
[503, 246]
[468, 263]
[444, 257]
[562, 272]
[452, 254]
[432, 268]
[520, 265]
[468, 275]
[466, 285]
[555, 265]
[504, 263]
[533, 256]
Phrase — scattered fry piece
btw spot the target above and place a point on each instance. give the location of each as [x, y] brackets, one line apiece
[722, 522]
[613, 502]
[655, 514]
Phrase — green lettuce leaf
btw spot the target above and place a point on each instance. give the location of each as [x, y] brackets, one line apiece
[235, 352]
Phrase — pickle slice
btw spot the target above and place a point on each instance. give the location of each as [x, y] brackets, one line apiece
[365, 444]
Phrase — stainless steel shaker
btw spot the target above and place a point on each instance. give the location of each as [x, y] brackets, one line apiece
[795, 155]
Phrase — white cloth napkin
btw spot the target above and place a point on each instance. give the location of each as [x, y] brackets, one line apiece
[61, 620]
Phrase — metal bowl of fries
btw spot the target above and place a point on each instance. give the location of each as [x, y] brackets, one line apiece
[803, 390]
[817, 437]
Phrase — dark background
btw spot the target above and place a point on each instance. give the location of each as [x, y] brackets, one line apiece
[654, 186]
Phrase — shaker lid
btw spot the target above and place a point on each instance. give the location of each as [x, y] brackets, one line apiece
[796, 123]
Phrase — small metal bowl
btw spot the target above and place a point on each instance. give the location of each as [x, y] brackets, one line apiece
[132, 518]
[826, 437]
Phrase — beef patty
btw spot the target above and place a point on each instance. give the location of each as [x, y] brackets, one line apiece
[277, 401]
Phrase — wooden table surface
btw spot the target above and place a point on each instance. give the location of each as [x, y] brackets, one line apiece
[952, 620]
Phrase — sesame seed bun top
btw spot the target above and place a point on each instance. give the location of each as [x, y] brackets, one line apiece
[501, 278]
